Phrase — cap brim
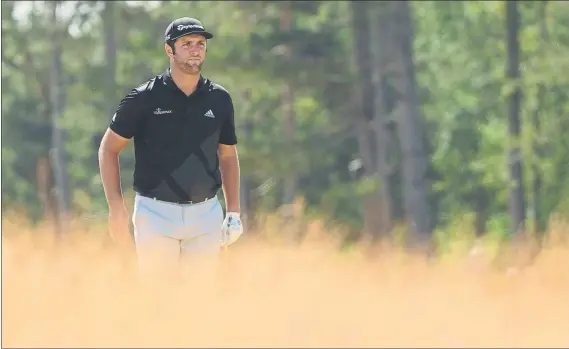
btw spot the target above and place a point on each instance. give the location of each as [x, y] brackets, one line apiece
[205, 34]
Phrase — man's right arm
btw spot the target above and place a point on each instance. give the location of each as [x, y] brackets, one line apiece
[121, 129]
[111, 146]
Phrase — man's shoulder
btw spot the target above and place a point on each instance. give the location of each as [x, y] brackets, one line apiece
[218, 89]
[148, 86]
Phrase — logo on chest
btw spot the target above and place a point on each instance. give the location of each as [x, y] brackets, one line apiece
[159, 111]
[209, 114]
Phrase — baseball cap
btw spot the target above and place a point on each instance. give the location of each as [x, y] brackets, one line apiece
[185, 26]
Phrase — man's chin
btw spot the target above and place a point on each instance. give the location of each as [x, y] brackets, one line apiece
[192, 70]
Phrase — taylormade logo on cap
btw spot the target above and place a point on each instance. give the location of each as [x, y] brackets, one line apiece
[185, 26]
[188, 26]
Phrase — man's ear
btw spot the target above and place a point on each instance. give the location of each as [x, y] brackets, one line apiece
[168, 50]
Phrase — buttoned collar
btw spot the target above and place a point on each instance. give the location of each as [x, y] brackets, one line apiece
[169, 82]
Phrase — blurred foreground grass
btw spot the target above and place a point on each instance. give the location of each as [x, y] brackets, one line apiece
[79, 292]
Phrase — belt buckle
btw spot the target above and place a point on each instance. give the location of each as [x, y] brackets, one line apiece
[192, 202]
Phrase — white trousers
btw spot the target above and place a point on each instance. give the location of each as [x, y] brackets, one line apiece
[172, 238]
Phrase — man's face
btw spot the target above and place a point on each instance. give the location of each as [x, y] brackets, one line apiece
[189, 53]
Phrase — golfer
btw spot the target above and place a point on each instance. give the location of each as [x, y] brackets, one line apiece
[184, 137]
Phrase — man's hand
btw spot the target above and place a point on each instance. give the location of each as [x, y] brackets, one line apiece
[231, 229]
[118, 226]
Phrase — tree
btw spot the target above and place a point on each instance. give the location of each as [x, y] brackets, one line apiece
[516, 185]
[536, 124]
[409, 122]
[369, 124]
[57, 99]
[289, 124]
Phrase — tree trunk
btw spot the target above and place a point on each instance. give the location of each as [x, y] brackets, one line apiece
[409, 126]
[381, 118]
[61, 191]
[481, 203]
[110, 54]
[246, 186]
[290, 183]
[108, 16]
[369, 125]
[517, 197]
[44, 182]
[537, 146]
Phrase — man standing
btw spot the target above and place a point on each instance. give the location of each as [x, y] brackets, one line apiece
[185, 151]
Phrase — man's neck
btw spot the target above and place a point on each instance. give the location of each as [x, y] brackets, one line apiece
[185, 82]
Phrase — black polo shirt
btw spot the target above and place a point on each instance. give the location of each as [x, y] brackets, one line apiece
[176, 137]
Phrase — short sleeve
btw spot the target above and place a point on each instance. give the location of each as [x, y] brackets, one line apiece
[128, 113]
[227, 135]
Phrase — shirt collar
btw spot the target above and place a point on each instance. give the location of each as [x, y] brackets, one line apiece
[169, 82]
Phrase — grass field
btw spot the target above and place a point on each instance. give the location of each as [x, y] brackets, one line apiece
[81, 293]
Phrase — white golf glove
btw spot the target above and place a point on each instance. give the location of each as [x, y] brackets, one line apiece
[231, 229]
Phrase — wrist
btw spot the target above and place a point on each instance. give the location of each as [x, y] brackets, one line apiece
[233, 214]
[116, 204]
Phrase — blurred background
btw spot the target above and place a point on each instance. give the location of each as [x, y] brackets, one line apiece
[427, 117]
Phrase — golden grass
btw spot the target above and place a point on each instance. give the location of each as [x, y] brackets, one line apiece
[80, 293]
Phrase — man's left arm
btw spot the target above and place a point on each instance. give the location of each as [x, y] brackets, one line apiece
[230, 176]
[230, 173]
[229, 160]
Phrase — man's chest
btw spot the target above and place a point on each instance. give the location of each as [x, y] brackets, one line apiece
[165, 118]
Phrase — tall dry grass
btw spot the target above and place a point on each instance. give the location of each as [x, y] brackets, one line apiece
[79, 292]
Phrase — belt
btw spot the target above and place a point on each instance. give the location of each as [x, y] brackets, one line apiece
[179, 202]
